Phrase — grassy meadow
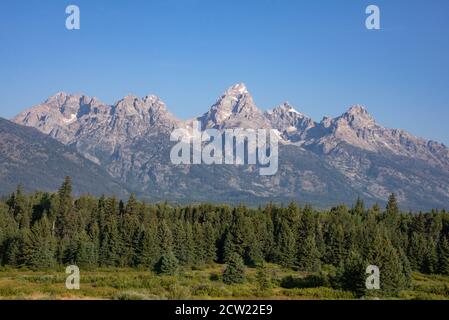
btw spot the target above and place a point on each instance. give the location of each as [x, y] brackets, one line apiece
[203, 283]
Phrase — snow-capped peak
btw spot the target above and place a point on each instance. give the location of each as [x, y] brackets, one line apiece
[239, 88]
[286, 107]
[293, 110]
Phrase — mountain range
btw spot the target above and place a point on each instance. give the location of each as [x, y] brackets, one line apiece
[323, 163]
[38, 162]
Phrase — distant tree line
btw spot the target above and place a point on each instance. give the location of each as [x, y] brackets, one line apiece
[47, 230]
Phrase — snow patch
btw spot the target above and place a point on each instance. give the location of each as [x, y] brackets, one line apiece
[293, 110]
[242, 89]
[70, 120]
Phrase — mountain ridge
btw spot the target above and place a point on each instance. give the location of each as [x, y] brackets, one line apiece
[130, 139]
[38, 162]
[95, 101]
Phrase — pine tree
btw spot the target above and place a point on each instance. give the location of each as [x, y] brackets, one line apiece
[149, 251]
[199, 238]
[263, 280]
[41, 230]
[235, 270]
[406, 268]
[253, 252]
[443, 256]
[319, 240]
[18, 207]
[359, 208]
[335, 240]
[10, 239]
[130, 235]
[228, 246]
[165, 238]
[12, 249]
[180, 249]
[87, 256]
[430, 259]
[93, 233]
[375, 210]
[64, 208]
[210, 243]
[110, 238]
[269, 246]
[306, 225]
[286, 252]
[308, 255]
[39, 246]
[132, 206]
[81, 252]
[392, 205]
[351, 274]
[168, 264]
[393, 271]
[417, 251]
[238, 236]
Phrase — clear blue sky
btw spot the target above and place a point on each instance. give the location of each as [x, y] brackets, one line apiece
[315, 54]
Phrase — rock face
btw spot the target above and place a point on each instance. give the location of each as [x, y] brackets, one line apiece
[234, 109]
[323, 163]
[36, 161]
[293, 125]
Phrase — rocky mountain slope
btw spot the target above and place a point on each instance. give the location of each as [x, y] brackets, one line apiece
[37, 161]
[234, 109]
[325, 162]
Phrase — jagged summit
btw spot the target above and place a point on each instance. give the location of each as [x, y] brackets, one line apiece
[292, 124]
[131, 139]
[285, 107]
[60, 96]
[151, 98]
[239, 88]
[359, 114]
[235, 108]
[57, 96]
[357, 109]
[130, 97]
[59, 99]
[237, 92]
[66, 116]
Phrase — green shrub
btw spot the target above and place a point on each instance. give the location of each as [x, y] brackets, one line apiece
[319, 293]
[235, 270]
[129, 295]
[177, 292]
[168, 264]
[206, 290]
[214, 277]
[310, 281]
[263, 280]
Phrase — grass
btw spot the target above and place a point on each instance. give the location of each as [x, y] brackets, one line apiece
[201, 283]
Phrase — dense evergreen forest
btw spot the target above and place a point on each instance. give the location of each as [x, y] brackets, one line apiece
[46, 230]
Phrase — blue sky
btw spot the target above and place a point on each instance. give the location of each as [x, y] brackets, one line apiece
[317, 55]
